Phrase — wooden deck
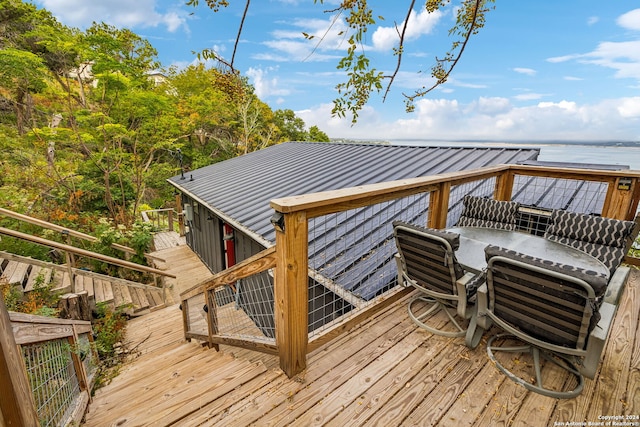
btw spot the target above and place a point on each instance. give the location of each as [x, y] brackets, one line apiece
[384, 372]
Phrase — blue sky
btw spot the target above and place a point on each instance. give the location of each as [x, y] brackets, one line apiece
[543, 70]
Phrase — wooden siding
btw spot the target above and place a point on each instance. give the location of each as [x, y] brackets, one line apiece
[385, 372]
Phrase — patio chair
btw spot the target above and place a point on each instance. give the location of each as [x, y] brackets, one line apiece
[489, 213]
[426, 261]
[555, 310]
[606, 239]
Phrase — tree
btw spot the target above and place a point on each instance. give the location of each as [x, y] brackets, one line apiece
[21, 74]
[315, 134]
[291, 127]
[362, 78]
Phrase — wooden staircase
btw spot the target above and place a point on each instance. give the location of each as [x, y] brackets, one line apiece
[135, 298]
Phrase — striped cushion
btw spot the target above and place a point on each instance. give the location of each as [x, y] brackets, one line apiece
[489, 213]
[598, 281]
[603, 238]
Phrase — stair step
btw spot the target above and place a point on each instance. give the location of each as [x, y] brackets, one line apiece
[143, 301]
[37, 271]
[98, 290]
[107, 289]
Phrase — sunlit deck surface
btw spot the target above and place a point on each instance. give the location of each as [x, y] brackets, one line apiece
[385, 372]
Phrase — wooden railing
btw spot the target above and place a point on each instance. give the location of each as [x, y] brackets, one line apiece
[293, 214]
[258, 263]
[69, 233]
[48, 380]
[164, 219]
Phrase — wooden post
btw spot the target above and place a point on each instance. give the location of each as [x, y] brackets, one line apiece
[504, 186]
[439, 206]
[180, 216]
[16, 405]
[212, 317]
[170, 219]
[184, 306]
[75, 306]
[292, 292]
[78, 366]
[619, 199]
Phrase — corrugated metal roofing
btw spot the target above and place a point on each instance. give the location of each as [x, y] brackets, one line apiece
[240, 188]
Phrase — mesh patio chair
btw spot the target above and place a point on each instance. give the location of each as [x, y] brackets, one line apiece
[426, 261]
[556, 311]
[489, 213]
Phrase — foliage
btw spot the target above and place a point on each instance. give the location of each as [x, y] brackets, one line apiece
[109, 329]
[41, 301]
[139, 237]
[86, 133]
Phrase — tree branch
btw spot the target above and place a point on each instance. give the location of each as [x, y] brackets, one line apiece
[400, 50]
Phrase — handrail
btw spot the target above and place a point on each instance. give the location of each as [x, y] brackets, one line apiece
[76, 271]
[29, 328]
[322, 203]
[258, 263]
[83, 252]
[70, 232]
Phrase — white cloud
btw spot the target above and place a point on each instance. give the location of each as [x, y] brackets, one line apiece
[572, 78]
[120, 13]
[624, 57]
[527, 71]
[630, 108]
[593, 20]
[385, 38]
[491, 119]
[630, 20]
[529, 96]
[264, 85]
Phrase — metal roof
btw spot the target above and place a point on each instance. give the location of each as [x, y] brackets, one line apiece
[240, 189]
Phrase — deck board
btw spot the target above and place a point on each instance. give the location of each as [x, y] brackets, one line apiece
[385, 371]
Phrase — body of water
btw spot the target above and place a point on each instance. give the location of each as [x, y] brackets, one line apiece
[625, 155]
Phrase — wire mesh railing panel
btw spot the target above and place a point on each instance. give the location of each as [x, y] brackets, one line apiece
[479, 188]
[196, 315]
[246, 307]
[87, 355]
[539, 196]
[555, 193]
[351, 256]
[53, 380]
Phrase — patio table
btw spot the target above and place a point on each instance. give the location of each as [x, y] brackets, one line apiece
[473, 240]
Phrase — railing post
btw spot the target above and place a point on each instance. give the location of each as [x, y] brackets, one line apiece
[180, 216]
[212, 314]
[439, 206]
[77, 363]
[504, 186]
[292, 291]
[170, 219]
[17, 407]
[621, 201]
